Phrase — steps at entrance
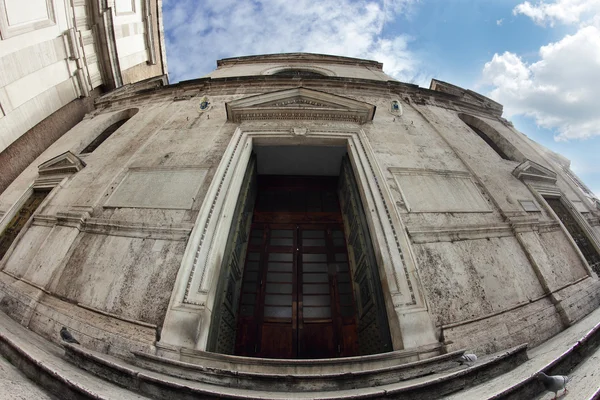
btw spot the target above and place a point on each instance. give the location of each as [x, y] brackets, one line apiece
[41, 361]
[418, 357]
[297, 375]
[502, 376]
[207, 382]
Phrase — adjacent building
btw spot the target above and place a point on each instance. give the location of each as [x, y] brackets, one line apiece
[57, 56]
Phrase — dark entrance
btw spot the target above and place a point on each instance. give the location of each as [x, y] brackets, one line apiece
[296, 297]
[299, 277]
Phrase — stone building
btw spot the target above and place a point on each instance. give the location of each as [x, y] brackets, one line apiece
[57, 56]
[298, 206]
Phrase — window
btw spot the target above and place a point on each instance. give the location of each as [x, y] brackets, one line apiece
[489, 142]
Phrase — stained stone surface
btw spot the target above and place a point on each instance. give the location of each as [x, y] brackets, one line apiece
[178, 189]
[15, 386]
[114, 250]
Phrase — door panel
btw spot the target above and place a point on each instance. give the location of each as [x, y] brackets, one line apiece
[297, 299]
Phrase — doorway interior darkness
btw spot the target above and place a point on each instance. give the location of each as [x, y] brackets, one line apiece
[299, 278]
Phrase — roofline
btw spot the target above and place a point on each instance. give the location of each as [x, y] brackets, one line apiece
[299, 58]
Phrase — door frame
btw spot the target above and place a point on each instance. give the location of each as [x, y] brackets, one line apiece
[187, 321]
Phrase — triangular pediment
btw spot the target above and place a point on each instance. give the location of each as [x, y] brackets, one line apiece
[299, 103]
[65, 163]
[530, 170]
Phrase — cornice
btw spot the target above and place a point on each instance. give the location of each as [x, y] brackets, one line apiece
[298, 58]
[267, 83]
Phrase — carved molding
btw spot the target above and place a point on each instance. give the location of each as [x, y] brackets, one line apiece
[299, 103]
[82, 221]
[458, 233]
[52, 172]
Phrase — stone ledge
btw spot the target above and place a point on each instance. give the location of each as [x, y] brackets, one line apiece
[84, 223]
[555, 356]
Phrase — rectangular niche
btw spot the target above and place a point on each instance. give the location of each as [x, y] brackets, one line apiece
[432, 191]
[158, 188]
[18, 17]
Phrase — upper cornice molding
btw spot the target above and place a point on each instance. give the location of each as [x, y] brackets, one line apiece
[408, 92]
[298, 57]
[299, 103]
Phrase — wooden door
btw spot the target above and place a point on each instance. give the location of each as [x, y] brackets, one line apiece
[296, 299]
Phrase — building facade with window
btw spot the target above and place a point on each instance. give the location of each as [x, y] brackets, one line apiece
[298, 206]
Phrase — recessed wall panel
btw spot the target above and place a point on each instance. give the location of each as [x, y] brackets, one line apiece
[158, 188]
[439, 191]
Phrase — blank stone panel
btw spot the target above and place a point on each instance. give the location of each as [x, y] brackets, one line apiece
[124, 6]
[17, 18]
[170, 189]
[439, 191]
[36, 10]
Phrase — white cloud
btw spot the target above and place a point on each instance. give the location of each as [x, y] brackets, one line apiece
[560, 90]
[199, 33]
[563, 11]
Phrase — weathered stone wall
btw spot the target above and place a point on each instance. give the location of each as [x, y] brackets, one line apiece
[487, 266]
[130, 277]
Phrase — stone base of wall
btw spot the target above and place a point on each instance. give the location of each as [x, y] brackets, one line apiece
[531, 323]
[580, 299]
[23, 151]
[45, 315]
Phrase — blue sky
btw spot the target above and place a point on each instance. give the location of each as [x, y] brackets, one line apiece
[541, 60]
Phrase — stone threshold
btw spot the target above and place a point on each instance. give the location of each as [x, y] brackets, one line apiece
[413, 357]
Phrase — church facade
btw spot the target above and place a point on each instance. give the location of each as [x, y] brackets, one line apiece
[298, 206]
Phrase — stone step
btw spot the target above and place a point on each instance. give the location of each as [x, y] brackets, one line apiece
[584, 383]
[305, 375]
[275, 386]
[42, 362]
[557, 356]
[425, 354]
[100, 376]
